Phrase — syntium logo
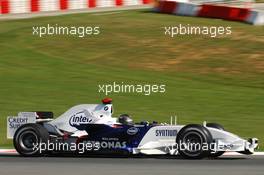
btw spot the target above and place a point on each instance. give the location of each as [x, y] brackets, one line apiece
[79, 118]
[166, 132]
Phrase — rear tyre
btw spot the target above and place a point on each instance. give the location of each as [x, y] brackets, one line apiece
[220, 127]
[192, 140]
[28, 137]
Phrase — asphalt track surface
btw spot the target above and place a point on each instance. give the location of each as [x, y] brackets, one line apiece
[227, 165]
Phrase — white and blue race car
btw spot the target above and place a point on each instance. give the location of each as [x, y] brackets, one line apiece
[91, 129]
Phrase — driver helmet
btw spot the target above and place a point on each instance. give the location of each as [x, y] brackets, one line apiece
[125, 119]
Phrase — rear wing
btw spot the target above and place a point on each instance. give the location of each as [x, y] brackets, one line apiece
[14, 122]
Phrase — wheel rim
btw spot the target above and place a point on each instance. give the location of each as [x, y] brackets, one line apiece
[194, 143]
[28, 140]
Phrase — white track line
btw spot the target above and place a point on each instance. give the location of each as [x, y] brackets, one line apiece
[8, 152]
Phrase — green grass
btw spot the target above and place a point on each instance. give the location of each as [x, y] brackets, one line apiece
[214, 79]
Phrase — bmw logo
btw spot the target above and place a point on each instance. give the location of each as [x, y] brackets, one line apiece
[106, 108]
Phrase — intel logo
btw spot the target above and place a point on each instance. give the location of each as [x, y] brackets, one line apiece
[79, 118]
[132, 131]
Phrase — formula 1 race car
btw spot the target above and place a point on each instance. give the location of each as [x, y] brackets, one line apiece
[91, 129]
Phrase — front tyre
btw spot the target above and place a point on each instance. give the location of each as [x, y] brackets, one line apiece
[28, 138]
[194, 141]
